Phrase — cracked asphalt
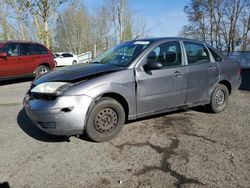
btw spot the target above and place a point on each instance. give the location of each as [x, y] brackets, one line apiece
[187, 148]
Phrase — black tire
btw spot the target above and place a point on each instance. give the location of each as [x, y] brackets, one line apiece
[105, 120]
[74, 62]
[219, 99]
[41, 70]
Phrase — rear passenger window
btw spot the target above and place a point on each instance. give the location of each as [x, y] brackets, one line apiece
[39, 49]
[215, 55]
[169, 54]
[27, 49]
[196, 53]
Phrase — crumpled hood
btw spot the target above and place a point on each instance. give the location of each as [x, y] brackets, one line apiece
[76, 73]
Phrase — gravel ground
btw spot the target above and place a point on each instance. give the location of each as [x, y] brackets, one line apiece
[188, 148]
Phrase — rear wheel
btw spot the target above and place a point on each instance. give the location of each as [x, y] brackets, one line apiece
[105, 120]
[219, 99]
[74, 62]
[41, 70]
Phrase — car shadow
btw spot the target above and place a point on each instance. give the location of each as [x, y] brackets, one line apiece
[30, 129]
[157, 116]
[245, 84]
[4, 185]
[84, 137]
[16, 81]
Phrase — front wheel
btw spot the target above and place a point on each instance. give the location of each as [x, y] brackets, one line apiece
[105, 120]
[41, 70]
[219, 99]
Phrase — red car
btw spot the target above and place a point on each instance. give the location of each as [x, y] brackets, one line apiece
[22, 59]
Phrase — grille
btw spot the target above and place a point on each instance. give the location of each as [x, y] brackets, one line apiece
[42, 96]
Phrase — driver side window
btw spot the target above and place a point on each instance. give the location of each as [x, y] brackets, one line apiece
[168, 54]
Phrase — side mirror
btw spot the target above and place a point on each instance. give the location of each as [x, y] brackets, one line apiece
[3, 55]
[152, 65]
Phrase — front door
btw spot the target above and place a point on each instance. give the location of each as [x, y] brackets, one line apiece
[158, 90]
[11, 65]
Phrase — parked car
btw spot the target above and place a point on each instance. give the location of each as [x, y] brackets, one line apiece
[132, 80]
[22, 59]
[64, 59]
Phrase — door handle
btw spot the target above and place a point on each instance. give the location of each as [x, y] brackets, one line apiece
[211, 68]
[177, 74]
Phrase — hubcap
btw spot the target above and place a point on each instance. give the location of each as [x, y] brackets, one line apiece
[220, 98]
[105, 120]
[43, 71]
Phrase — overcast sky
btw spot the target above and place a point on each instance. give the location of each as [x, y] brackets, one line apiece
[165, 18]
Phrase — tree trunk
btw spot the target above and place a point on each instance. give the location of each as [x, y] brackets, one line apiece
[5, 29]
[46, 34]
[21, 28]
[120, 19]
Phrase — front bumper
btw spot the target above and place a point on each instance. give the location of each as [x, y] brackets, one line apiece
[65, 115]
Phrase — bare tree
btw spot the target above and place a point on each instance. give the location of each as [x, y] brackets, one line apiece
[231, 30]
[196, 17]
[140, 28]
[223, 23]
[126, 24]
[73, 30]
[18, 7]
[41, 11]
[3, 21]
[245, 24]
[103, 32]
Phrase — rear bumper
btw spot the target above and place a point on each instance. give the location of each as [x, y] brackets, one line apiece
[64, 116]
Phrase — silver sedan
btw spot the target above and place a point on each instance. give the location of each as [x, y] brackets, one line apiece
[132, 80]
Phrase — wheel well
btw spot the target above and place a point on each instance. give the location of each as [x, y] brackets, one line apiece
[45, 64]
[119, 98]
[227, 84]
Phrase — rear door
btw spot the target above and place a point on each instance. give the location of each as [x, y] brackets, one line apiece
[158, 90]
[11, 65]
[32, 56]
[200, 73]
[29, 58]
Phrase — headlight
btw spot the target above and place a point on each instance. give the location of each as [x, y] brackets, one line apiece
[55, 88]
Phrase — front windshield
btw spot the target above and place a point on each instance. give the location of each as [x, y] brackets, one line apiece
[122, 54]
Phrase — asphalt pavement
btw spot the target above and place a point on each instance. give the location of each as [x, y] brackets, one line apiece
[187, 148]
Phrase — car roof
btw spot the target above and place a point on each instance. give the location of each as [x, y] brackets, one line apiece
[19, 41]
[157, 39]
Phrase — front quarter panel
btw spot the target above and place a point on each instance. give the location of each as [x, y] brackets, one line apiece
[120, 82]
